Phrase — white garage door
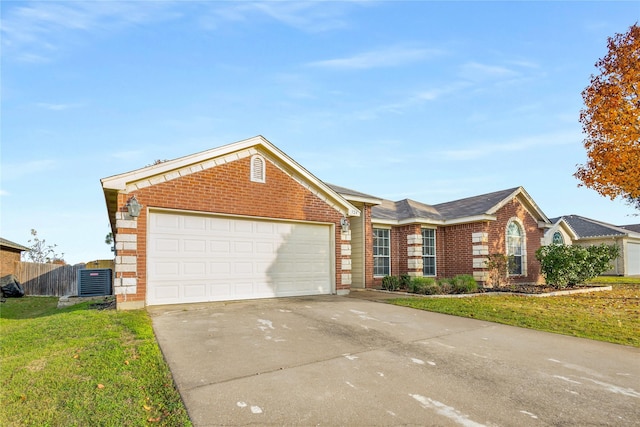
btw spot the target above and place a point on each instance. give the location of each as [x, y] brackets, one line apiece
[193, 258]
[633, 259]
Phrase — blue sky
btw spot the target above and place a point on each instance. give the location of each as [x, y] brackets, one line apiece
[432, 101]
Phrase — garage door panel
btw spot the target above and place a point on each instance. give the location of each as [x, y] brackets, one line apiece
[633, 259]
[200, 258]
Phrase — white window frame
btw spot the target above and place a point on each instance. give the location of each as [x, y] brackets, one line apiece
[523, 246]
[383, 255]
[426, 255]
[258, 169]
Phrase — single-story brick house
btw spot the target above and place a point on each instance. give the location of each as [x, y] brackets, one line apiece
[578, 230]
[10, 254]
[247, 221]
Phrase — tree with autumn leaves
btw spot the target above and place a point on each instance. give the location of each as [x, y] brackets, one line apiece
[611, 121]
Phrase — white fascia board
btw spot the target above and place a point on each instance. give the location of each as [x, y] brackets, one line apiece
[420, 221]
[529, 204]
[360, 199]
[119, 182]
[567, 229]
[443, 223]
[468, 219]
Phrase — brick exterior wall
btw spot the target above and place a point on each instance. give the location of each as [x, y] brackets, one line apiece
[8, 260]
[224, 189]
[456, 249]
[455, 254]
[533, 239]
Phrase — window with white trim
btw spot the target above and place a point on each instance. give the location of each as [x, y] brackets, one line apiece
[516, 253]
[381, 252]
[258, 168]
[428, 252]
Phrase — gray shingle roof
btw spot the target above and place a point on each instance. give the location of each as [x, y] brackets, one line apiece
[404, 209]
[472, 206]
[347, 191]
[632, 227]
[586, 227]
[462, 208]
[9, 244]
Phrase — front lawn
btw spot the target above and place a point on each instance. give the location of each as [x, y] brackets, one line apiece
[612, 316]
[80, 366]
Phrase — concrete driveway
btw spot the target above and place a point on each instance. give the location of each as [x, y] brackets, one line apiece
[334, 360]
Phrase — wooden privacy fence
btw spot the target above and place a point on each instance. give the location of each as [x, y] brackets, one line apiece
[48, 279]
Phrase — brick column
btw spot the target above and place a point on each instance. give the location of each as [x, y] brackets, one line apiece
[414, 255]
[480, 250]
[126, 261]
[345, 261]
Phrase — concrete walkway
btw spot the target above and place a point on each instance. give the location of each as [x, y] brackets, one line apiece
[334, 360]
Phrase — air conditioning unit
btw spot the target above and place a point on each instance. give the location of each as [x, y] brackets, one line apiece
[94, 282]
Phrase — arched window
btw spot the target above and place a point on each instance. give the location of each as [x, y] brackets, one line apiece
[258, 168]
[557, 238]
[516, 252]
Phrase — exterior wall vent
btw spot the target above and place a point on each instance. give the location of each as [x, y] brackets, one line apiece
[94, 282]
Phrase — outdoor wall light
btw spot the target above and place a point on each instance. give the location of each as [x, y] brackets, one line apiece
[344, 223]
[133, 207]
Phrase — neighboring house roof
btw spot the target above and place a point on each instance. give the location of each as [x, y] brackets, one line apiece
[11, 245]
[172, 169]
[482, 207]
[586, 228]
[632, 227]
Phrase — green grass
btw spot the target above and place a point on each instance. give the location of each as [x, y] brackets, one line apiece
[79, 366]
[611, 316]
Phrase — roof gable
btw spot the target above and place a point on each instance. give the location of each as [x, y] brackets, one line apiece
[183, 166]
[590, 228]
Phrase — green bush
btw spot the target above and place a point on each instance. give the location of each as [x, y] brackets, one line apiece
[564, 265]
[405, 281]
[464, 284]
[424, 285]
[390, 283]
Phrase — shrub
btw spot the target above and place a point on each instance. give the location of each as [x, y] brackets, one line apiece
[390, 283]
[564, 265]
[446, 287]
[498, 266]
[405, 281]
[424, 285]
[464, 284]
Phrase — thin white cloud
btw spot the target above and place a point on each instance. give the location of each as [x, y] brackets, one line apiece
[475, 71]
[310, 16]
[56, 107]
[385, 57]
[13, 171]
[411, 101]
[4, 193]
[479, 150]
[33, 31]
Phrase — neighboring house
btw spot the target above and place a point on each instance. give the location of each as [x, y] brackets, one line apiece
[10, 253]
[246, 221]
[578, 230]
